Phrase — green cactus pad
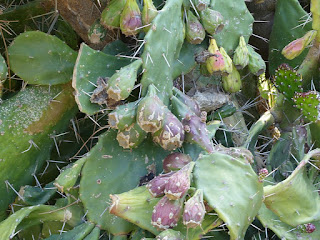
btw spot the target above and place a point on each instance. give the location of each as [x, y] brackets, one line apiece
[238, 22]
[89, 66]
[67, 179]
[39, 58]
[27, 121]
[77, 233]
[287, 81]
[109, 169]
[94, 235]
[295, 200]
[283, 230]
[36, 195]
[162, 48]
[232, 188]
[3, 69]
[309, 104]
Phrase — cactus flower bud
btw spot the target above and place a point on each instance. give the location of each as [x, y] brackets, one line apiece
[296, 47]
[175, 161]
[201, 4]
[241, 54]
[257, 65]
[263, 173]
[110, 16]
[166, 213]
[195, 32]
[179, 183]
[171, 135]
[156, 185]
[194, 210]
[192, 104]
[232, 82]
[149, 12]
[310, 227]
[196, 132]
[212, 21]
[130, 19]
[150, 112]
[215, 63]
[131, 137]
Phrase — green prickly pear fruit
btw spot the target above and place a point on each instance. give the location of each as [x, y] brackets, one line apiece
[215, 63]
[149, 12]
[257, 66]
[123, 116]
[212, 21]
[175, 161]
[232, 82]
[170, 234]
[97, 32]
[192, 104]
[179, 183]
[195, 32]
[122, 82]
[171, 135]
[166, 213]
[131, 137]
[227, 60]
[296, 47]
[151, 111]
[194, 210]
[196, 132]
[241, 54]
[201, 4]
[156, 185]
[110, 16]
[130, 19]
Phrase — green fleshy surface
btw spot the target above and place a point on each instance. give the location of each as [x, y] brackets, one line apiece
[309, 104]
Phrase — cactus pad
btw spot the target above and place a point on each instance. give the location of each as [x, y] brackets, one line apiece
[309, 104]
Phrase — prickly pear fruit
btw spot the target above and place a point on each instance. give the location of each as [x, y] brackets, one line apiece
[170, 234]
[150, 112]
[192, 104]
[122, 82]
[156, 185]
[166, 213]
[263, 173]
[257, 65]
[310, 227]
[171, 135]
[110, 16]
[149, 12]
[195, 32]
[131, 137]
[97, 32]
[179, 183]
[201, 4]
[123, 116]
[194, 210]
[196, 132]
[232, 82]
[215, 63]
[212, 21]
[130, 19]
[228, 61]
[175, 161]
[241, 54]
[296, 47]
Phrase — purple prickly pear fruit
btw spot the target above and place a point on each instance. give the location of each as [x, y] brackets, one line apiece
[149, 12]
[263, 173]
[166, 213]
[194, 210]
[179, 183]
[196, 132]
[156, 185]
[175, 161]
[212, 21]
[201, 4]
[296, 47]
[195, 32]
[151, 111]
[192, 104]
[310, 227]
[171, 135]
[130, 19]
[215, 63]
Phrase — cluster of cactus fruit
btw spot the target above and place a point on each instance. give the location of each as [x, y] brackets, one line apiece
[136, 155]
